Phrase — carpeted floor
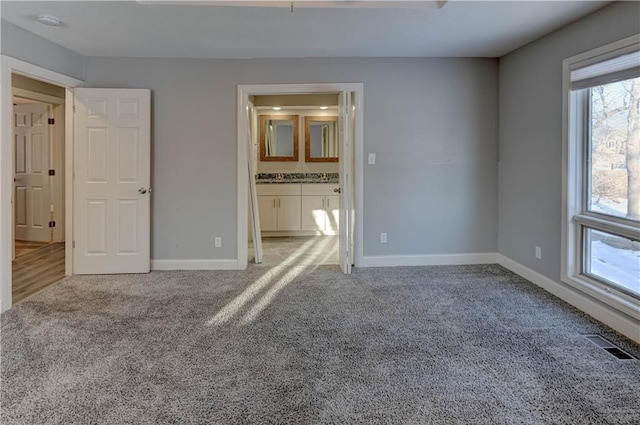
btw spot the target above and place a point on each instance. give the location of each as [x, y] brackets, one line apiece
[304, 344]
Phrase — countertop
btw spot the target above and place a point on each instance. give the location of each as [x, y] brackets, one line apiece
[289, 178]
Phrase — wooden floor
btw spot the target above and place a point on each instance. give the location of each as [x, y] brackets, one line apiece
[24, 247]
[37, 269]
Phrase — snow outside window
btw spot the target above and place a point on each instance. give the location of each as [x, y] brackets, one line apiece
[603, 174]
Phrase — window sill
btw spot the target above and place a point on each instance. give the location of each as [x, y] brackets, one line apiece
[613, 298]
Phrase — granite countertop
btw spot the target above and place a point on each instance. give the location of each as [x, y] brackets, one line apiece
[288, 178]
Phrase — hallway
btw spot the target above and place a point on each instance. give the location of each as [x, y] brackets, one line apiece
[36, 267]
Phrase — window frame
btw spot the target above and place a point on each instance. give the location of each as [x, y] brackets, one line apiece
[576, 216]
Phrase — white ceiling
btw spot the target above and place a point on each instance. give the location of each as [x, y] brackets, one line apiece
[459, 29]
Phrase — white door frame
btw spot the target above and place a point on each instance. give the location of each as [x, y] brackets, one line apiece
[8, 66]
[246, 90]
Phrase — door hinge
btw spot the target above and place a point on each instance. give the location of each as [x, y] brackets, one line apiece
[73, 244]
[51, 121]
[74, 107]
[52, 224]
[52, 172]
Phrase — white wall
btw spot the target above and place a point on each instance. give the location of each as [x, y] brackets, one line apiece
[531, 134]
[432, 122]
[28, 47]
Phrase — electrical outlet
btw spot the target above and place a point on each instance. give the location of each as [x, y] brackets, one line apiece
[383, 238]
[218, 242]
[538, 253]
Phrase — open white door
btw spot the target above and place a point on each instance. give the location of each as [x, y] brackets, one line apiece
[345, 144]
[112, 175]
[254, 210]
[32, 197]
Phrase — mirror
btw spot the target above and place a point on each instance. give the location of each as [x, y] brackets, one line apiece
[321, 139]
[278, 137]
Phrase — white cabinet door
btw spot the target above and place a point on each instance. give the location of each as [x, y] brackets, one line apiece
[289, 212]
[112, 167]
[313, 212]
[332, 206]
[267, 206]
[32, 198]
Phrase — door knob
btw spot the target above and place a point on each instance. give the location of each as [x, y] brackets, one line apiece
[142, 190]
[337, 190]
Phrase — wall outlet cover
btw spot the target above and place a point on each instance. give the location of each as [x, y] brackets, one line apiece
[372, 158]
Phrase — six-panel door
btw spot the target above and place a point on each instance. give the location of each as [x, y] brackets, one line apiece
[32, 197]
[112, 181]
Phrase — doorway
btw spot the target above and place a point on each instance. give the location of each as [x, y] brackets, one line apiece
[9, 67]
[294, 150]
[346, 191]
[38, 258]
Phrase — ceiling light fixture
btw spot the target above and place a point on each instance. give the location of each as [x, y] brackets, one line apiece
[276, 108]
[324, 107]
[49, 20]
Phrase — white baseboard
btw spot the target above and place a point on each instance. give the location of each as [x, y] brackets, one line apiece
[599, 311]
[429, 260]
[231, 264]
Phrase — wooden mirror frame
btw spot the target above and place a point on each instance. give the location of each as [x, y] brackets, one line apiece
[307, 138]
[263, 146]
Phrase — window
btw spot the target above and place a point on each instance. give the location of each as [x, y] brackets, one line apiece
[602, 172]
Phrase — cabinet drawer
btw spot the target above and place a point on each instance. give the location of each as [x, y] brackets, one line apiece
[284, 189]
[319, 189]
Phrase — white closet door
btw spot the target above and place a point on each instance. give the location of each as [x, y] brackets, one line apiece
[112, 175]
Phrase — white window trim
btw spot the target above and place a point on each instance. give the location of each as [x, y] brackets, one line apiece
[572, 193]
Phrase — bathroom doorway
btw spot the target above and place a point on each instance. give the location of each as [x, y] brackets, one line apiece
[300, 143]
[294, 149]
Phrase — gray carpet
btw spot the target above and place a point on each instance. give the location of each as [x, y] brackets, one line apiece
[298, 345]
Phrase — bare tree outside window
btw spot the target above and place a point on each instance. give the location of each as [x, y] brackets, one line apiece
[615, 149]
[614, 181]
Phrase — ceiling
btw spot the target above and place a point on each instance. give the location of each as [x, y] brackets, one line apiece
[458, 29]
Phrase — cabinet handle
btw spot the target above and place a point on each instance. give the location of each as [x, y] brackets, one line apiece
[322, 202]
[274, 202]
[278, 202]
[328, 202]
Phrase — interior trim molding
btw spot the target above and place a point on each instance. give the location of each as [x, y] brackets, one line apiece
[231, 264]
[9, 65]
[429, 260]
[609, 316]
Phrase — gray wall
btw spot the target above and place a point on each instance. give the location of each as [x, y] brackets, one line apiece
[432, 122]
[531, 134]
[28, 47]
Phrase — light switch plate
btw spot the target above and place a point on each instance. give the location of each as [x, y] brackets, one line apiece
[372, 158]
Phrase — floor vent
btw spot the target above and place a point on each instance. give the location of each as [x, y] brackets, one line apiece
[609, 347]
